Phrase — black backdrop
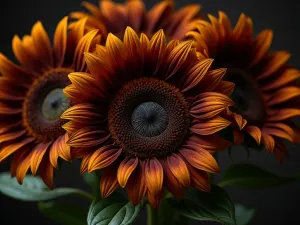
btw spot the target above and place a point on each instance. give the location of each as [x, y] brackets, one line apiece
[276, 206]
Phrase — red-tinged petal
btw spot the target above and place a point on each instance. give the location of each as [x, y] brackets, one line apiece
[8, 150]
[132, 43]
[279, 130]
[136, 186]
[85, 44]
[109, 181]
[283, 95]
[200, 158]
[209, 104]
[282, 114]
[7, 110]
[255, 132]
[224, 20]
[8, 125]
[88, 137]
[115, 49]
[176, 58]
[42, 44]
[238, 137]
[225, 87]
[268, 141]
[154, 198]
[196, 73]
[157, 46]
[179, 169]
[275, 62]
[60, 41]
[85, 163]
[199, 179]
[208, 127]
[10, 70]
[286, 77]
[144, 41]
[17, 158]
[171, 182]
[103, 157]
[46, 172]
[136, 14]
[239, 120]
[262, 45]
[210, 143]
[37, 155]
[23, 168]
[154, 175]
[125, 169]
[12, 135]
[72, 127]
[113, 14]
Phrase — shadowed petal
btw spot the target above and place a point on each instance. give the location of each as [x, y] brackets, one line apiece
[154, 198]
[255, 132]
[262, 45]
[46, 172]
[37, 155]
[109, 181]
[268, 141]
[12, 136]
[23, 168]
[239, 120]
[60, 41]
[282, 114]
[199, 179]
[283, 95]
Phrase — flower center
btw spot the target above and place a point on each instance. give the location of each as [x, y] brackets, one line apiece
[149, 118]
[247, 96]
[44, 104]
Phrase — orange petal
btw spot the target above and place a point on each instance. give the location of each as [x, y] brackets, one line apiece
[12, 136]
[213, 78]
[200, 159]
[85, 163]
[283, 95]
[239, 120]
[88, 137]
[60, 41]
[225, 87]
[210, 126]
[115, 49]
[154, 175]
[54, 151]
[8, 150]
[263, 43]
[255, 132]
[23, 168]
[157, 48]
[279, 130]
[275, 62]
[199, 179]
[268, 141]
[209, 104]
[46, 172]
[65, 150]
[136, 13]
[37, 155]
[136, 187]
[282, 114]
[154, 198]
[103, 157]
[42, 44]
[196, 73]
[17, 158]
[179, 169]
[109, 181]
[177, 57]
[132, 43]
[171, 182]
[125, 169]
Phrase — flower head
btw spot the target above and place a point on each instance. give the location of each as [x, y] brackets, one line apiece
[147, 114]
[265, 88]
[32, 98]
[115, 17]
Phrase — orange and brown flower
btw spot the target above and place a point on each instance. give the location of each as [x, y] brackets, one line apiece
[111, 17]
[147, 114]
[265, 88]
[32, 98]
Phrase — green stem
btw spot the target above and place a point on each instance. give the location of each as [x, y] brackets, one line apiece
[152, 216]
[86, 195]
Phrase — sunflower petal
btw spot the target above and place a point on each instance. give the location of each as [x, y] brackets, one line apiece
[268, 141]
[154, 175]
[208, 127]
[263, 43]
[199, 179]
[11, 136]
[46, 172]
[283, 95]
[239, 120]
[37, 155]
[60, 41]
[109, 181]
[179, 169]
[125, 169]
[255, 132]
[22, 169]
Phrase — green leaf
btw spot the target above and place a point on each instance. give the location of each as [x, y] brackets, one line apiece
[249, 176]
[33, 189]
[243, 215]
[93, 180]
[206, 206]
[113, 210]
[63, 213]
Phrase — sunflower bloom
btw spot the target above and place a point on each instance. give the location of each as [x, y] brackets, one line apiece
[147, 114]
[111, 17]
[32, 98]
[265, 88]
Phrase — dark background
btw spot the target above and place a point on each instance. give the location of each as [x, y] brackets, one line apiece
[275, 206]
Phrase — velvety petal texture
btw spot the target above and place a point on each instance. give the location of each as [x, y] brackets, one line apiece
[118, 122]
[266, 89]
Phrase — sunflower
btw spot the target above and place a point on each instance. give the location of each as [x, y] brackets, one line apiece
[115, 17]
[149, 116]
[32, 98]
[265, 88]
